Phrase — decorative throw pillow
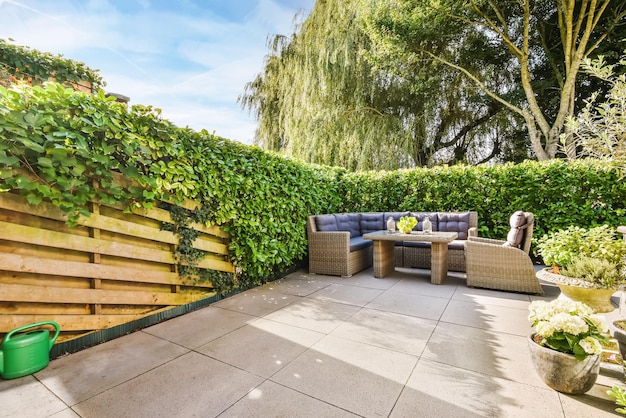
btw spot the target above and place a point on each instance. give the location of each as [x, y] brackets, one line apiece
[516, 234]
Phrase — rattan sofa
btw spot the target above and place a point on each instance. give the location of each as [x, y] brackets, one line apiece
[336, 245]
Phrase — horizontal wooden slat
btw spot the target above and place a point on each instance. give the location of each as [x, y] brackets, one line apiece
[164, 216]
[37, 265]
[36, 236]
[17, 203]
[69, 322]
[28, 293]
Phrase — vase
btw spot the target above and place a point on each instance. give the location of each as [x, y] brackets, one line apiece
[597, 299]
[563, 372]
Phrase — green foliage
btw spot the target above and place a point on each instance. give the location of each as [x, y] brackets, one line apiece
[565, 246]
[600, 272]
[24, 63]
[325, 96]
[524, 56]
[619, 394]
[587, 193]
[600, 128]
[66, 146]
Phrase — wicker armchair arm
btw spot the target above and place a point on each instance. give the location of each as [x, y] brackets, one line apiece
[484, 241]
[472, 232]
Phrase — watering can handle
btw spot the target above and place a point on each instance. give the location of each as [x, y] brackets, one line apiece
[35, 325]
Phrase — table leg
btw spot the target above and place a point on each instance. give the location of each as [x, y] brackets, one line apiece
[438, 262]
[384, 261]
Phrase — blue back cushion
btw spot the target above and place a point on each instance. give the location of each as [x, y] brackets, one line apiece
[371, 222]
[326, 223]
[349, 222]
[394, 215]
[432, 216]
[455, 222]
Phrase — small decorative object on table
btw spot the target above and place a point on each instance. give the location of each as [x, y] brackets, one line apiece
[391, 225]
[427, 226]
[406, 224]
[566, 345]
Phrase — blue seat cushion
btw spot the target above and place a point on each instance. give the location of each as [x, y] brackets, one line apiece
[326, 223]
[455, 222]
[349, 222]
[358, 243]
[371, 222]
[457, 244]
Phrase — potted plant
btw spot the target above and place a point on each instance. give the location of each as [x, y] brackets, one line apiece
[588, 265]
[566, 344]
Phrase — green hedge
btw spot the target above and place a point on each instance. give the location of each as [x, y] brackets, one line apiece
[560, 193]
[72, 141]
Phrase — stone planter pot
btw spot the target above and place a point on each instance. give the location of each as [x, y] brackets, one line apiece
[562, 372]
[619, 333]
[598, 299]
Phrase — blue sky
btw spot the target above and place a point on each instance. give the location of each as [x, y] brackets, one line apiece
[189, 58]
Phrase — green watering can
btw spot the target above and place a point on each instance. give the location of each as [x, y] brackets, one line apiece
[28, 352]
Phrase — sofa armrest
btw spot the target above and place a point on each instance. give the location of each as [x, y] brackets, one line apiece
[338, 241]
[472, 232]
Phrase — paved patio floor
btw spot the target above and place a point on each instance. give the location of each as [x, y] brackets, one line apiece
[318, 346]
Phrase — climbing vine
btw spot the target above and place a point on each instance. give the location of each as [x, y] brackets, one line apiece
[35, 67]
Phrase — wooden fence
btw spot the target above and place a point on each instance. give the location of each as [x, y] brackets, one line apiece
[112, 269]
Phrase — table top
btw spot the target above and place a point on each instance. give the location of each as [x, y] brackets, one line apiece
[414, 236]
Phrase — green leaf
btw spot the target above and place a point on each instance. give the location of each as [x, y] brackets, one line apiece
[8, 160]
[44, 162]
[33, 199]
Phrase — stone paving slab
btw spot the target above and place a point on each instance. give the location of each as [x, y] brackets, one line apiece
[319, 346]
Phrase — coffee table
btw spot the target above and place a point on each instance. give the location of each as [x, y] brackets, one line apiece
[384, 258]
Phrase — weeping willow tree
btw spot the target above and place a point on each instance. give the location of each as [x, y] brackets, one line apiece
[372, 84]
[323, 97]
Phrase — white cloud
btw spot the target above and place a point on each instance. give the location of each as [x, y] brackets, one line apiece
[189, 62]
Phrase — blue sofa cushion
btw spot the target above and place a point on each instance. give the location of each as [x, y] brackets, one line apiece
[371, 222]
[349, 222]
[394, 215]
[432, 216]
[326, 223]
[455, 222]
[358, 243]
[457, 244]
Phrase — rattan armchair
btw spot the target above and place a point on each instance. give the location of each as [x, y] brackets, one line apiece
[492, 264]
